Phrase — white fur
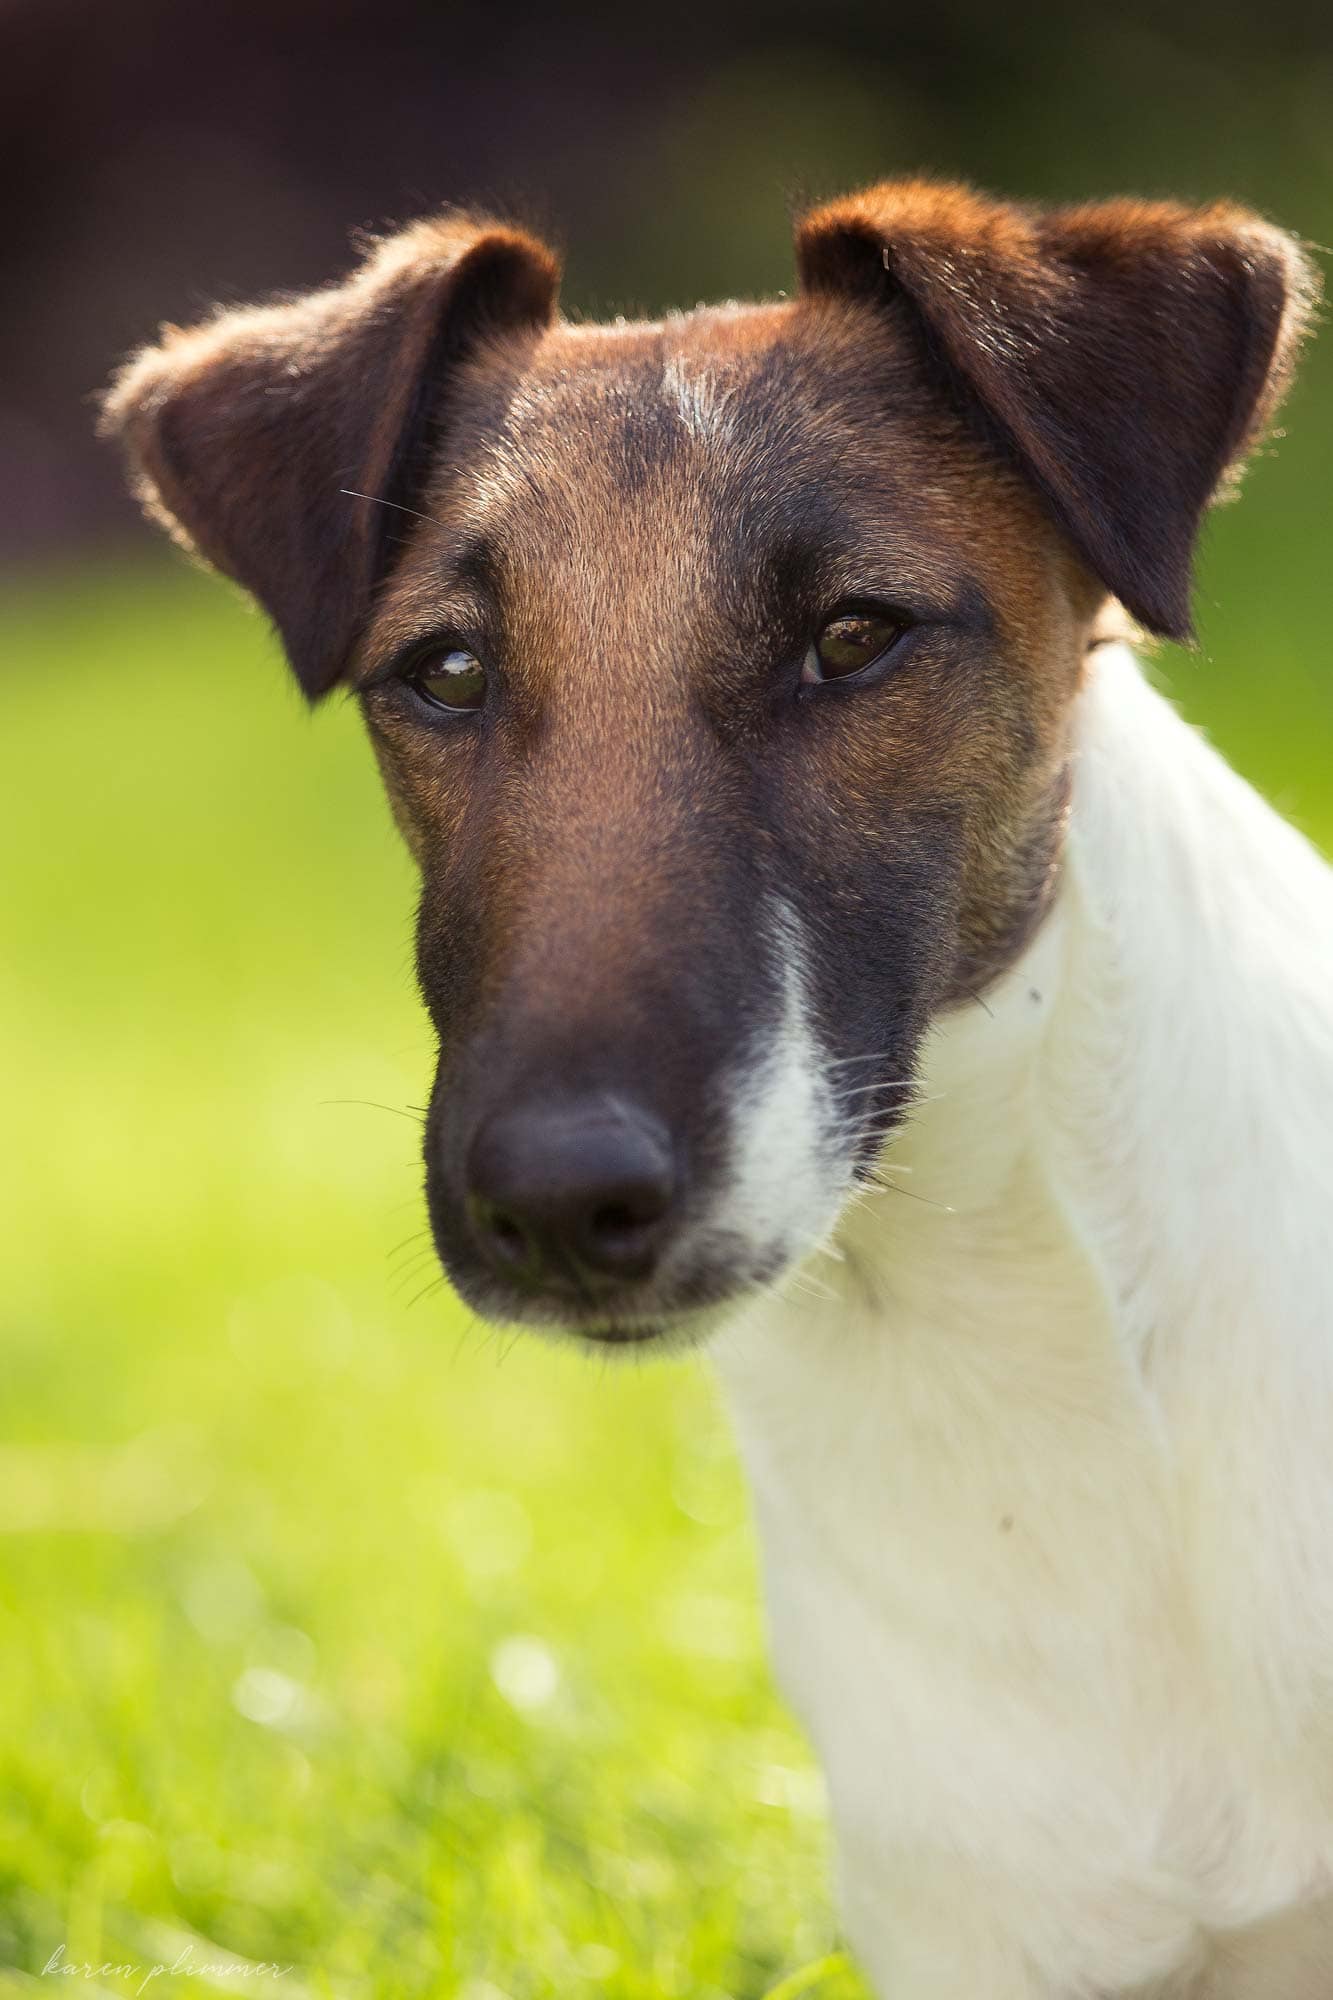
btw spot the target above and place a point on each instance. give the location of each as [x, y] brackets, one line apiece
[783, 1188]
[698, 398]
[1046, 1494]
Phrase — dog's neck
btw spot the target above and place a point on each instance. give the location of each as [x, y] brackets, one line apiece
[1026, 1420]
[1071, 1131]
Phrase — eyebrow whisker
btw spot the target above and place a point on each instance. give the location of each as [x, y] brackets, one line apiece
[376, 501]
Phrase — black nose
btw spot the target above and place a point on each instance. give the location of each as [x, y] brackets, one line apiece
[563, 1197]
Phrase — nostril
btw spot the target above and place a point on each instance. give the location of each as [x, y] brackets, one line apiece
[560, 1195]
[617, 1235]
[507, 1236]
[614, 1218]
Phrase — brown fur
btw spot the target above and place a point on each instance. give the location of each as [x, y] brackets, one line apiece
[988, 416]
[632, 601]
[244, 433]
[1125, 353]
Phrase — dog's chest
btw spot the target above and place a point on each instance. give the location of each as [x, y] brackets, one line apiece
[979, 1602]
[961, 1494]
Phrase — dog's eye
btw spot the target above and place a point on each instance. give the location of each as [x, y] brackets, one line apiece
[455, 680]
[850, 642]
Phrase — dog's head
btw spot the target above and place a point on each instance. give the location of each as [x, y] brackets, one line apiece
[720, 670]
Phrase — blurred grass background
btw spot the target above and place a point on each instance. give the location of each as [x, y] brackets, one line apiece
[333, 1631]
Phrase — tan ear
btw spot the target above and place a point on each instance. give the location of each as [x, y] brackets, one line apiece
[242, 434]
[1126, 355]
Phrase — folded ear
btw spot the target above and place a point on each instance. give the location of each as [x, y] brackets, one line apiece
[242, 434]
[1125, 354]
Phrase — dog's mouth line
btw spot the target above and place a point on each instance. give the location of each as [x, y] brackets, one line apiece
[613, 1334]
[609, 1325]
[674, 1321]
[677, 1324]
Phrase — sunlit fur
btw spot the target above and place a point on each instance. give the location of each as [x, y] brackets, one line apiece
[1041, 1440]
[1044, 1488]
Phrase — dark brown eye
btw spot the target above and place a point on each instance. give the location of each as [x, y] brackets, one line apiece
[454, 680]
[854, 640]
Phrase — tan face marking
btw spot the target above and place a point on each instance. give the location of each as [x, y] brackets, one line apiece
[673, 882]
[638, 532]
[641, 612]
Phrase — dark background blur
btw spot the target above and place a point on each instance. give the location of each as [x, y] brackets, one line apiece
[157, 157]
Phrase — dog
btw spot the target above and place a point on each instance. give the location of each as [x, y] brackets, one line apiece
[838, 950]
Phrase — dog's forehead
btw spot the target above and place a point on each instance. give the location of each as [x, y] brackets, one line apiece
[726, 402]
[626, 477]
[692, 369]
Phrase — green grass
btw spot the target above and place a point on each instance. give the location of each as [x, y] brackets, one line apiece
[332, 1632]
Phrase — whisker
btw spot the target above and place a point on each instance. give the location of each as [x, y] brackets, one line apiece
[417, 1236]
[436, 1285]
[911, 1194]
[822, 1296]
[411, 1267]
[474, 1327]
[876, 1141]
[863, 1089]
[413, 1258]
[403, 1284]
[897, 1117]
[376, 501]
[863, 1190]
[814, 1246]
[369, 1104]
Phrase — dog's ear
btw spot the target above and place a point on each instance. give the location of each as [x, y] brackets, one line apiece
[242, 434]
[1125, 354]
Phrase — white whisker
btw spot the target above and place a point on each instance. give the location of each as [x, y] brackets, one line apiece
[375, 501]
